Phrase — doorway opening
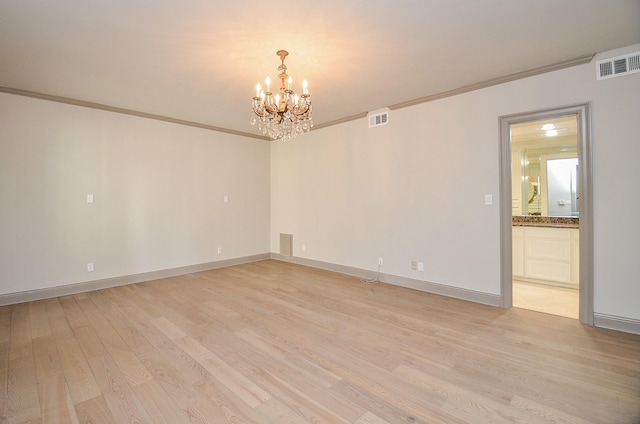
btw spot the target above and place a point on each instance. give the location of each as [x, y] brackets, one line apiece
[546, 212]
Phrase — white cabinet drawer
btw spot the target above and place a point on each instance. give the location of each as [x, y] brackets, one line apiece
[548, 233]
[551, 249]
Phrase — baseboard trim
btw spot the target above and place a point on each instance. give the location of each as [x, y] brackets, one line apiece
[425, 286]
[69, 289]
[612, 322]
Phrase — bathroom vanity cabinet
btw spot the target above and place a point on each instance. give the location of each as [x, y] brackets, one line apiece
[548, 255]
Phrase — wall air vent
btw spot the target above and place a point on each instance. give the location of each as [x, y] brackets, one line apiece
[378, 118]
[618, 66]
[286, 245]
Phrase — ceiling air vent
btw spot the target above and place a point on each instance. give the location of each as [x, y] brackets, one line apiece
[377, 119]
[618, 66]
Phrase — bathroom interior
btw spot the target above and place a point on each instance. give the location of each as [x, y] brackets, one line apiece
[545, 216]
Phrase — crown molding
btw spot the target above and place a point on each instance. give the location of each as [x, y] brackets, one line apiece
[124, 111]
[461, 90]
[581, 60]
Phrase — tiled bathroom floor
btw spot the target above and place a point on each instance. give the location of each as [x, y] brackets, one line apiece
[549, 299]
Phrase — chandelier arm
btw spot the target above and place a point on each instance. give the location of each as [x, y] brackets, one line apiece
[299, 111]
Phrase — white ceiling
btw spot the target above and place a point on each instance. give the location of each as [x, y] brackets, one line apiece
[530, 136]
[199, 60]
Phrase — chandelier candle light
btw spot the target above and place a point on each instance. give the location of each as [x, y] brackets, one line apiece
[286, 115]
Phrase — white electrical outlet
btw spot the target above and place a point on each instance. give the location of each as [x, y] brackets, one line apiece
[380, 261]
[90, 267]
[219, 250]
[420, 266]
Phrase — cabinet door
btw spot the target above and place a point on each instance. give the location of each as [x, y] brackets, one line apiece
[517, 248]
[548, 254]
[575, 256]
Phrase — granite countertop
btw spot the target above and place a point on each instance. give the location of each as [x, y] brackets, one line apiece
[545, 221]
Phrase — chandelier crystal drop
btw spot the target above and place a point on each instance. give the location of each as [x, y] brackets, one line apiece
[285, 115]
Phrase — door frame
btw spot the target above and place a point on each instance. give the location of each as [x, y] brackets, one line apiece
[585, 189]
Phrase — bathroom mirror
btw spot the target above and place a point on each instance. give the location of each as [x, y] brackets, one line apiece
[544, 168]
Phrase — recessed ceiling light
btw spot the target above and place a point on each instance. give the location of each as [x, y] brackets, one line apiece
[548, 127]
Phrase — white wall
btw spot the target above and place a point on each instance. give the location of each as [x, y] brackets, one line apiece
[158, 190]
[415, 188]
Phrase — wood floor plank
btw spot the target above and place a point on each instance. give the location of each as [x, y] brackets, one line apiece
[81, 381]
[112, 306]
[369, 418]
[60, 326]
[39, 320]
[158, 302]
[273, 342]
[335, 353]
[465, 403]
[226, 402]
[148, 299]
[47, 359]
[279, 412]
[286, 376]
[171, 380]
[89, 342]
[5, 336]
[55, 401]
[20, 335]
[190, 369]
[22, 401]
[168, 328]
[126, 360]
[139, 319]
[549, 388]
[4, 376]
[307, 406]
[120, 399]
[204, 412]
[5, 323]
[330, 356]
[303, 366]
[252, 394]
[540, 412]
[94, 411]
[73, 313]
[159, 405]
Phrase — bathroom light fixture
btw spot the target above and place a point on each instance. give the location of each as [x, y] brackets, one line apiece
[550, 130]
[285, 115]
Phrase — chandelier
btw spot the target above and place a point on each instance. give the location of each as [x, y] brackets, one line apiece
[286, 114]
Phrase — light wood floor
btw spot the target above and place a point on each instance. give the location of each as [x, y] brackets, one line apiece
[271, 342]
